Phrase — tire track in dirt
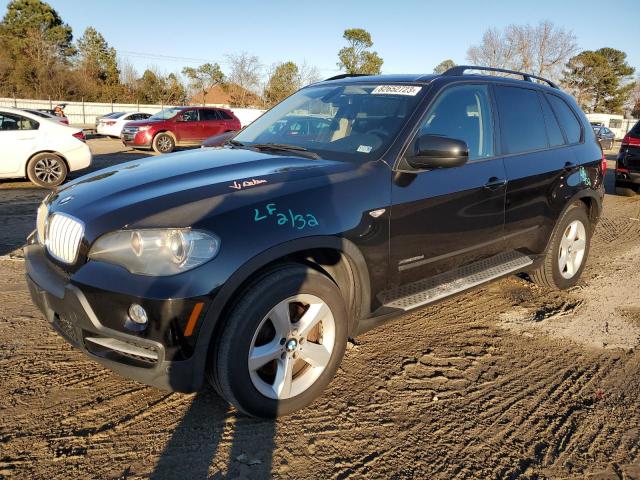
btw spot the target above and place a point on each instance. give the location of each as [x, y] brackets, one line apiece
[507, 404]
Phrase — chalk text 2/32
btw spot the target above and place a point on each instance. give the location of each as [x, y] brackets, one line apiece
[299, 221]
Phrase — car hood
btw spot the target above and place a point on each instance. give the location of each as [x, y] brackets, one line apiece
[184, 188]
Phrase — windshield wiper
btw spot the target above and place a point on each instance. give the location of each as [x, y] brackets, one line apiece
[283, 147]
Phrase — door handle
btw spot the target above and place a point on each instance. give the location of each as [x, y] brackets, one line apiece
[569, 166]
[494, 183]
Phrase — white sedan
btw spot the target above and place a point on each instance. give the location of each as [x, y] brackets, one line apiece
[112, 125]
[41, 150]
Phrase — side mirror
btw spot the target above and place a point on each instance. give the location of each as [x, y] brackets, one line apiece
[434, 151]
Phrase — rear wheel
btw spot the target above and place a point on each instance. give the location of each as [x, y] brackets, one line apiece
[568, 250]
[47, 170]
[282, 342]
[163, 143]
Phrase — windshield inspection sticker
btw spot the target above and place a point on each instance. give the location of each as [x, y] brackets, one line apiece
[364, 149]
[396, 90]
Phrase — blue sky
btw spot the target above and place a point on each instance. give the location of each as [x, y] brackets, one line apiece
[410, 35]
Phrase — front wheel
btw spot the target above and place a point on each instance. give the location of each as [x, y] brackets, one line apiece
[163, 143]
[568, 250]
[282, 342]
[47, 170]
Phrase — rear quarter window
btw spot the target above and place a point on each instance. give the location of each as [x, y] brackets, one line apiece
[568, 120]
[521, 120]
[224, 115]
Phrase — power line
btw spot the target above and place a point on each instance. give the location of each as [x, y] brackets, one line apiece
[157, 56]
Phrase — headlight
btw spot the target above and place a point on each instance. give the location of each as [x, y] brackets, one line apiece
[156, 251]
[41, 222]
[144, 128]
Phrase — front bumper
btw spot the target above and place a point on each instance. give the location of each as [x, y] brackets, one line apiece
[138, 139]
[69, 312]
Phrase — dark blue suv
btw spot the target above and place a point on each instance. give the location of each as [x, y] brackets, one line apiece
[252, 264]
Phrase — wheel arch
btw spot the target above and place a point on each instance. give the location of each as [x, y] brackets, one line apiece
[338, 258]
[593, 204]
[168, 132]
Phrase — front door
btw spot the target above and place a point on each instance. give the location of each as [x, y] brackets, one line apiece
[445, 218]
[17, 137]
[188, 126]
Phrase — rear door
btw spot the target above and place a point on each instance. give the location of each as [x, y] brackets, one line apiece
[188, 126]
[445, 218]
[212, 122]
[537, 158]
[18, 136]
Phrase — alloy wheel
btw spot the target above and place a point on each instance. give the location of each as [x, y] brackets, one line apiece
[164, 144]
[48, 170]
[292, 346]
[572, 249]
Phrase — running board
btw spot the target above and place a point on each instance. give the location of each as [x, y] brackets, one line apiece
[426, 291]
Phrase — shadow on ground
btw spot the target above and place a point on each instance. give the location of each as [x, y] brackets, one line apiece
[209, 425]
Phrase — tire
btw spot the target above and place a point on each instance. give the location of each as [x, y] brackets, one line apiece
[625, 191]
[47, 170]
[549, 273]
[249, 330]
[163, 143]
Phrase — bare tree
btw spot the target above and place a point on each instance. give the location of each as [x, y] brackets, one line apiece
[541, 50]
[308, 74]
[244, 78]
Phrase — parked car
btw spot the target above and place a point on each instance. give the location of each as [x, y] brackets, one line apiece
[47, 115]
[179, 126]
[628, 163]
[605, 136]
[108, 116]
[251, 265]
[112, 126]
[41, 150]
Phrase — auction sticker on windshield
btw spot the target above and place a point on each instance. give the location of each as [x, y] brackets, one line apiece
[396, 90]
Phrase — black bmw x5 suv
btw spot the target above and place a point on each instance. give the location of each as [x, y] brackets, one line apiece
[250, 265]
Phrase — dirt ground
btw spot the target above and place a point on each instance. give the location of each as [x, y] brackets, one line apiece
[509, 381]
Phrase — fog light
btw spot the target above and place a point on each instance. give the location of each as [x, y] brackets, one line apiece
[138, 314]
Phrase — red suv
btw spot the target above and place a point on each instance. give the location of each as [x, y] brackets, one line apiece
[179, 126]
[628, 163]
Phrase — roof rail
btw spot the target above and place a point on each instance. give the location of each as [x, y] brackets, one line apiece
[460, 69]
[346, 75]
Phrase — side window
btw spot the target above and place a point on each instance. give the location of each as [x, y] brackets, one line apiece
[190, 116]
[553, 127]
[521, 121]
[208, 115]
[9, 122]
[567, 118]
[463, 112]
[224, 115]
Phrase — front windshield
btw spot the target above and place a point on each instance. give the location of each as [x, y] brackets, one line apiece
[165, 114]
[352, 122]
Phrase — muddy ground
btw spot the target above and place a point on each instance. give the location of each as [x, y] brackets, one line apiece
[509, 381]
